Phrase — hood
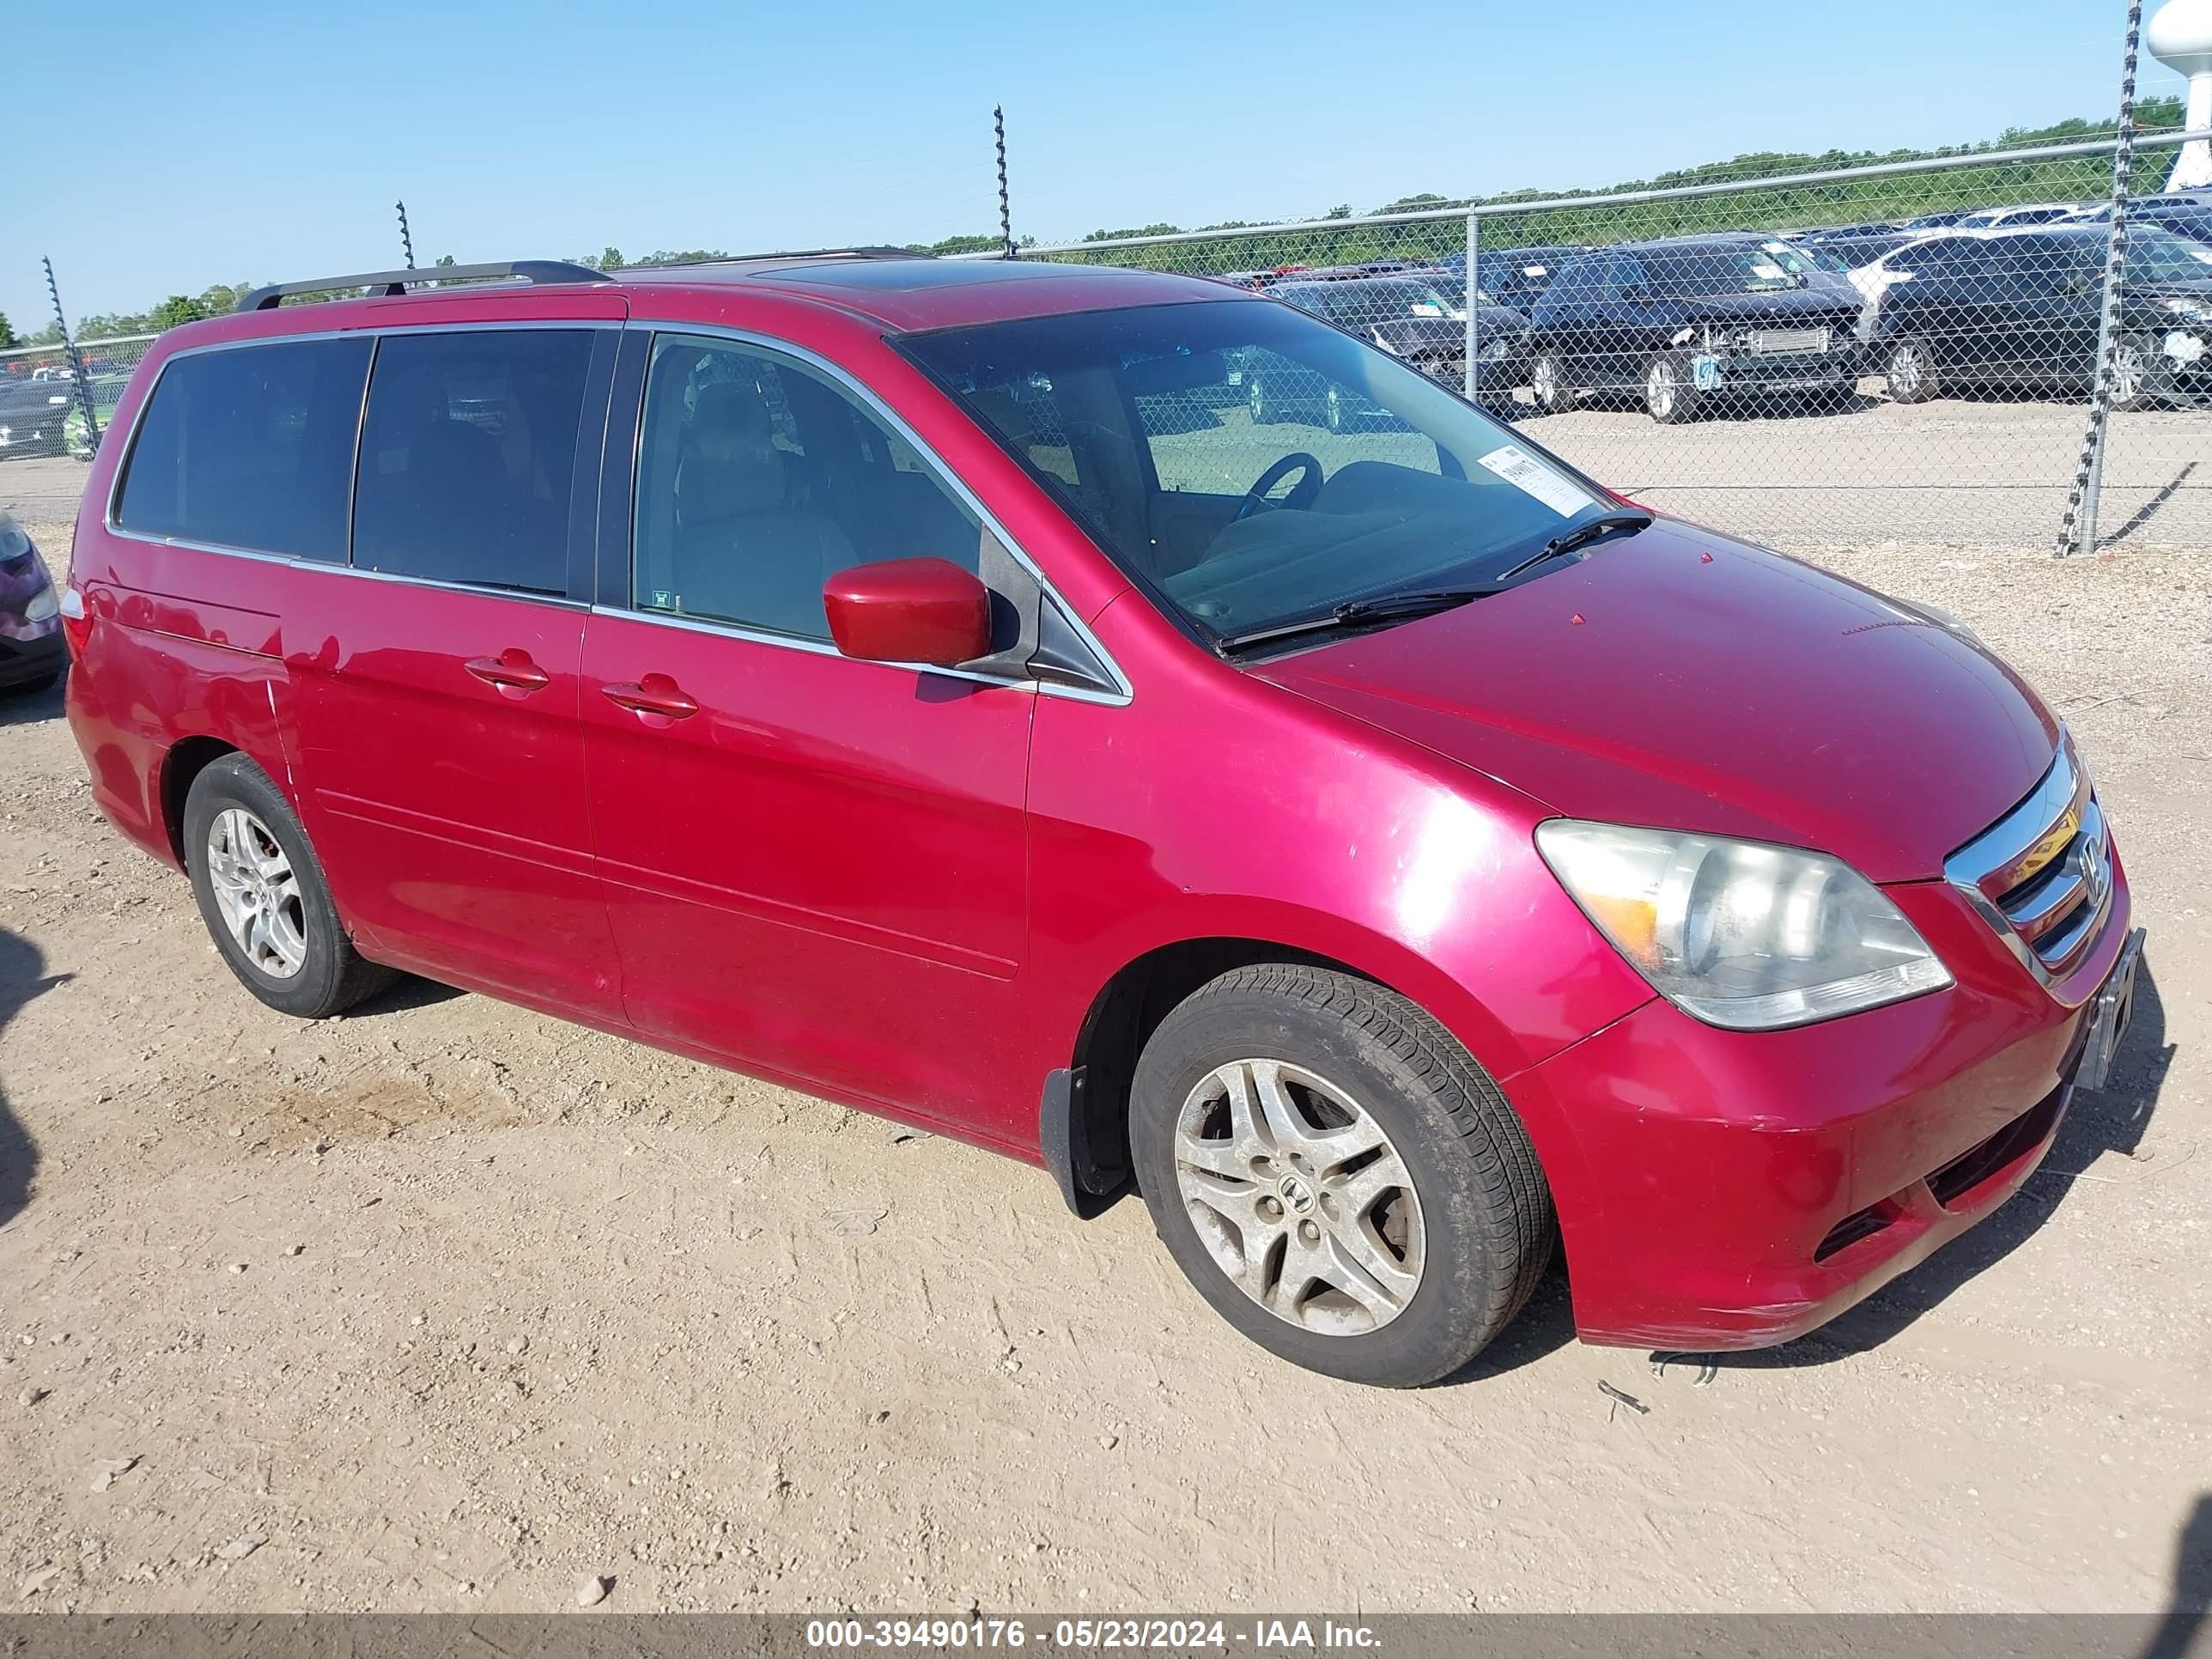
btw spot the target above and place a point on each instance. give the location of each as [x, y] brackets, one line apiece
[1681, 680]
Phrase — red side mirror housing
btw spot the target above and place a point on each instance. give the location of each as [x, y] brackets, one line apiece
[925, 610]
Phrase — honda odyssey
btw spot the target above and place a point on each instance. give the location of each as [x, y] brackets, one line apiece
[921, 683]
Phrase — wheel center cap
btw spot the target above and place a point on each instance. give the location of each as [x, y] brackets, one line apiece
[1297, 1197]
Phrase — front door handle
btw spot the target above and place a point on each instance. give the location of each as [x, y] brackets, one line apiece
[655, 695]
[511, 672]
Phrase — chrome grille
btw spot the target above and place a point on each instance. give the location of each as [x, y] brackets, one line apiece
[2041, 875]
[1788, 342]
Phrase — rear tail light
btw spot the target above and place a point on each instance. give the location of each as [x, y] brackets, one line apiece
[77, 618]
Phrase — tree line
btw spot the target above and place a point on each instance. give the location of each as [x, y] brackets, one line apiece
[1877, 198]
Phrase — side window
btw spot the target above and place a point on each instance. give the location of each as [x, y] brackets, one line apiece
[467, 454]
[250, 448]
[759, 479]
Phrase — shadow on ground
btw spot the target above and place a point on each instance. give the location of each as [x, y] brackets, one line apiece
[2184, 1621]
[21, 978]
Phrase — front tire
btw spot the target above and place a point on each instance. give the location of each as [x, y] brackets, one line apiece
[263, 898]
[1337, 1175]
[1547, 385]
[2139, 378]
[1909, 372]
[1670, 390]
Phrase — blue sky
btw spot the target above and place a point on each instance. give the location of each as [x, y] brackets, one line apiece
[177, 147]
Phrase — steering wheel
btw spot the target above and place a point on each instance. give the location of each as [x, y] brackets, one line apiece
[1302, 493]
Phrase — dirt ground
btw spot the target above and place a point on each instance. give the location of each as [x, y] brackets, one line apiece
[441, 1305]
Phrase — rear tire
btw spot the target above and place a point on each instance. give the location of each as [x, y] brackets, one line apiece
[263, 898]
[1384, 1221]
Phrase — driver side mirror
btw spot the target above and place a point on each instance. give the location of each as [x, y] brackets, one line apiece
[924, 611]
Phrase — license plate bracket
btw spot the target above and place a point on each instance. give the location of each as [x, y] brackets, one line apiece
[2109, 1016]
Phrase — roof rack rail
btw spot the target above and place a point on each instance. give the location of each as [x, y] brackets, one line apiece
[395, 282]
[878, 252]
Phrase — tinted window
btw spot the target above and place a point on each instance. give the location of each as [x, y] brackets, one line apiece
[1693, 270]
[467, 454]
[250, 448]
[759, 479]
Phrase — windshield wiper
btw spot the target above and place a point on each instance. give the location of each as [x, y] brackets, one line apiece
[1355, 613]
[1587, 530]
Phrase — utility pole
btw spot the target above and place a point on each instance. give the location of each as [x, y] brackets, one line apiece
[1006, 214]
[76, 362]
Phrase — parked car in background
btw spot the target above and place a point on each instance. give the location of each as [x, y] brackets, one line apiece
[2017, 218]
[926, 702]
[1855, 249]
[31, 410]
[1407, 318]
[1691, 321]
[32, 650]
[1937, 220]
[2013, 309]
[1923, 251]
[1514, 276]
[2186, 214]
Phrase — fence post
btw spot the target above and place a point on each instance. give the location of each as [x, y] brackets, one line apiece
[76, 362]
[2077, 530]
[1473, 287]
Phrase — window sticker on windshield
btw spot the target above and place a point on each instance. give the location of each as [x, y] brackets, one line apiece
[1423, 308]
[1530, 476]
[1768, 270]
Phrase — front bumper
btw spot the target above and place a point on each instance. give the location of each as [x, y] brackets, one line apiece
[34, 658]
[1722, 1190]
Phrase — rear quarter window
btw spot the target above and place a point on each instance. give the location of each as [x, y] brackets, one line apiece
[250, 446]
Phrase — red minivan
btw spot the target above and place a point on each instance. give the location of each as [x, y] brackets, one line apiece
[925, 685]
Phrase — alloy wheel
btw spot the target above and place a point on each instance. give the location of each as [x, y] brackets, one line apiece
[257, 893]
[1660, 389]
[1298, 1196]
[1904, 371]
[2129, 373]
[1544, 384]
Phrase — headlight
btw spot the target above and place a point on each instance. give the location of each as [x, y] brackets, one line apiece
[1739, 933]
[1495, 351]
[2193, 309]
[1385, 345]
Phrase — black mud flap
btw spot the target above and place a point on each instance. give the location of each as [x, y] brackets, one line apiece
[1089, 1183]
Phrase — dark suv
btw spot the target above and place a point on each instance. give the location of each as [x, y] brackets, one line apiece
[1692, 319]
[2022, 309]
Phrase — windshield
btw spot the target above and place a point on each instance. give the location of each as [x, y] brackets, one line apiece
[1250, 466]
[2160, 256]
[1693, 272]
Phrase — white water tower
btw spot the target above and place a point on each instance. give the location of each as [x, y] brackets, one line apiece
[2180, 37]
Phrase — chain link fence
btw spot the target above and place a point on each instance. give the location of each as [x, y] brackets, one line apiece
[1904, 351]
[42, 407]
